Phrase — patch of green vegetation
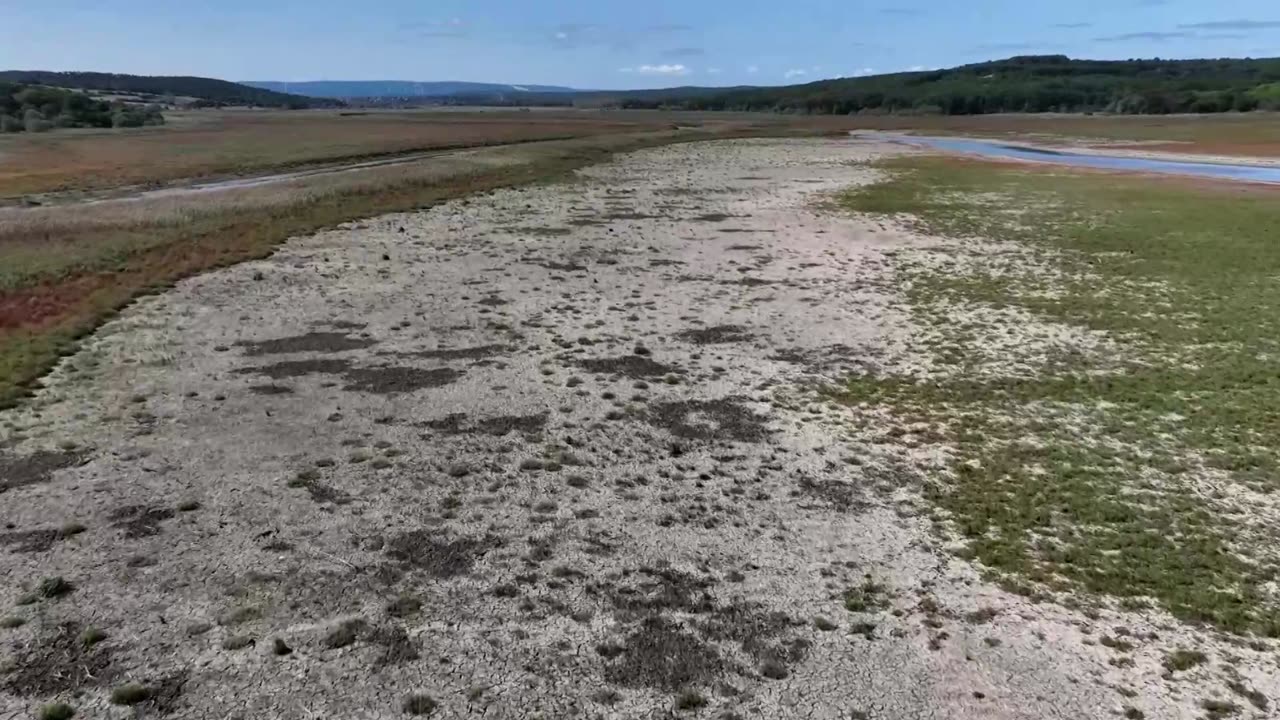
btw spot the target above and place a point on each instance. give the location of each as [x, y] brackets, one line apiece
[1182, 659]
[130, 694]
[870, 596]
[92, 636]
[56, 711]
[690, 700]
[1110, 471]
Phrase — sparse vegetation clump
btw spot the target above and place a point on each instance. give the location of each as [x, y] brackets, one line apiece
[1182, 659]
[690, 700]
[870, 596]
[130, 694]
[56, 711]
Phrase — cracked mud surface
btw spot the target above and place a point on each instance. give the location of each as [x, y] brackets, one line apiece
[543, 453]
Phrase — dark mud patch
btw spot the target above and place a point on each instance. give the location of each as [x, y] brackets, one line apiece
[394, 380]
[298, 368]
[36, 468]
[664, 262]
[662, 590]
[139, 521]
[585, 222]
[757, 631]
[459, 424]
[314, 342]
[721, 419]
[632, 366]
[839, 495]
[494, 301]
[270, 390]
[479, 352]
[42, 540]
[426, 550]
[743, 247]
[713, 217]
[343, 325]
[662, 655]
[377, 380]
[631, 215]
[742, 230]
[57, 662]
[716, 335]
[541, 231]
[563, 267]
[748, 282]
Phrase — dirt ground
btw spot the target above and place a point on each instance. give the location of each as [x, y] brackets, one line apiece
[546, 453]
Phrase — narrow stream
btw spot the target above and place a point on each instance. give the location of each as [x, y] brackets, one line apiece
[997, 149]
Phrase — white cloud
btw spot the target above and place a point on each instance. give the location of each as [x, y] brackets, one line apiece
[753, 69]
[797, 72]
[916, 68]
[860, 72]
[674, 69]
[713, 71]
[562, 35]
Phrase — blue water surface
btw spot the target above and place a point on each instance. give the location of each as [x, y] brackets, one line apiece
[1221, 171]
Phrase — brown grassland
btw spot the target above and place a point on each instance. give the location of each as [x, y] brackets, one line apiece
[65, 268]
[201, 145]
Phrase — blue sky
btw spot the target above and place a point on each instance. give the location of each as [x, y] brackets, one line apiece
[609, 43]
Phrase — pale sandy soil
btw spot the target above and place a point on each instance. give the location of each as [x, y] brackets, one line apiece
[549, 453]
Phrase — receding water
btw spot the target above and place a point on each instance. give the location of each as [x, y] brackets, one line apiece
[1221, 171]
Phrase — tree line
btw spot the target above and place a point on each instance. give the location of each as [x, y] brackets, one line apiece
[1031, 84]
[1028, 84]
[208, 92]
[25, 108]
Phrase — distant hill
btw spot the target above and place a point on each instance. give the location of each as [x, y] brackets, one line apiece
[1047, 83]
[209, 90]
[399, 88]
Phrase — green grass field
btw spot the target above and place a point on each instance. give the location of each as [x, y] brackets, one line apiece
[1145, 471]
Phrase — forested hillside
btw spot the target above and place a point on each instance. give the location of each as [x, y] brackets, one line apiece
[208, 90]
[37, 109]
[1052, 83]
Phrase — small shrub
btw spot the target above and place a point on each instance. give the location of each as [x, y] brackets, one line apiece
[54, 587]
[1180, 660]
[92, 636]
[690, 700]
[56, 711]
[773, 670]
[130, 694]
[420, 705]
